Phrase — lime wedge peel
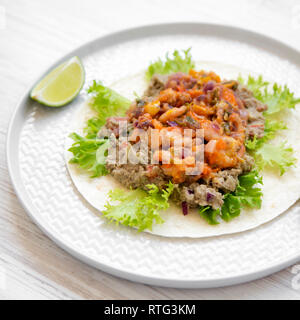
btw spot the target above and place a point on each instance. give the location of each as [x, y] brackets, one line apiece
[61, 85]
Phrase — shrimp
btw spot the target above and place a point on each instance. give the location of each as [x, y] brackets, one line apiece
[176, 171]
[228, 95]
[223, 153]
[202, 110]
[172, 114]
[174, 98]
[211, 129]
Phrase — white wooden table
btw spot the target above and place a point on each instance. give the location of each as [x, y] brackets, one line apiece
[33, 34]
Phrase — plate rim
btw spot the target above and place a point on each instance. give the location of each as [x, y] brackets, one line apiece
[14, 170]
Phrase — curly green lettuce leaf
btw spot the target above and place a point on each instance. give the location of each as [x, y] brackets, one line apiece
[257, 86]
[209, 214]
[271, 129]
[267, 154]
[177, 62]
[89, 151]
[275, 156]
[93, 126]
[138, 208]
[89, 154]
[246, 195]
[106, 102]
[278, 99]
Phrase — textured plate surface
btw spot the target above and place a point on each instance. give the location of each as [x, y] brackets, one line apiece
[35, 152]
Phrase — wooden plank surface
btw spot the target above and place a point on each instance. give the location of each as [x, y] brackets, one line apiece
[33, 34]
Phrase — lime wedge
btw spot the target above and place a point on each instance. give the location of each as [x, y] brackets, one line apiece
[61, 85]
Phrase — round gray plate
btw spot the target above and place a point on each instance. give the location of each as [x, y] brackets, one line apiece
[35, 147]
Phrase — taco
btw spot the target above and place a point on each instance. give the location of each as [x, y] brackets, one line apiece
[248, 173]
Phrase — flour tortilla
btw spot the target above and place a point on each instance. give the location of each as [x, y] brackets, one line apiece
[279, 192]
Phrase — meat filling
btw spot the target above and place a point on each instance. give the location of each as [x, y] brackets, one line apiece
[228, 113]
